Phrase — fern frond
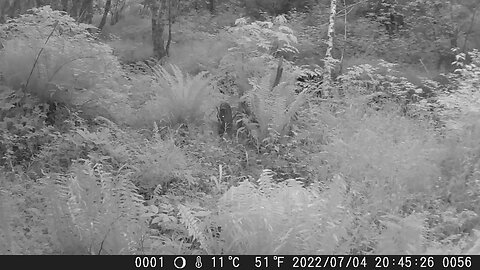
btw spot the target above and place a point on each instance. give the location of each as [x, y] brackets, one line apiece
[194, 227]
[273, 109]
[183, 97]
[95, 212]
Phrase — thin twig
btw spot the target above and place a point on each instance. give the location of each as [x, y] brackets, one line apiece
[425, 67]
[38, 56]
[69, 61]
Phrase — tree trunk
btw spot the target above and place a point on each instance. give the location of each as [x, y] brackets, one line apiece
[170, 19]
[329, 61]
[157, 29]
[108, 5]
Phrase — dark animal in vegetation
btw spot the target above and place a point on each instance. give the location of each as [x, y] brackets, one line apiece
[225, 119]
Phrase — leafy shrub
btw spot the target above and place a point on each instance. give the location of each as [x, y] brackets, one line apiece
[459, 102]
[66, 63]
[459, 109]
[382, 86]
[23, 130]
[256, 46]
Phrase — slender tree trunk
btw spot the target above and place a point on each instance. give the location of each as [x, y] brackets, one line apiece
[329, 61]
[108, 5]
[158, 27]
[340, 71]
[170, 19]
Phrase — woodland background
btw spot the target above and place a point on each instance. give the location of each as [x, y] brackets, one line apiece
[239, 127]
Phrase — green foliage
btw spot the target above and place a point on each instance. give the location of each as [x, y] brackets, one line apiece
[186, 223]
[310, 29]
[257, 45]
[159, 162]
[460, 101]
[437, 27]
[283, 218]
[94, 212]
[180, 98]
[130, 37]
[23, 131]
[200, 53]
[402, 235]
[195, 227]
[375, 176]
[155, 161]
[265, 37]
[272, 111]
[461, 167]
[257, 8]
[388, 158]
[72, 67]
[383, 87]
[24, 229]
[250, 64]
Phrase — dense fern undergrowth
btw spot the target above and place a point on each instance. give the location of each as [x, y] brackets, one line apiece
[96, 159]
